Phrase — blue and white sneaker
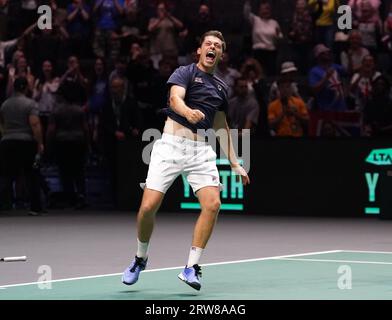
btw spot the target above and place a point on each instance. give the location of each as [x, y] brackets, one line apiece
[191, 276]
[131, 274]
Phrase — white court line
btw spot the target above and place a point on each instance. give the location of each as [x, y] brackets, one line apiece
[361, 251]
[339, 261]
[172, 268]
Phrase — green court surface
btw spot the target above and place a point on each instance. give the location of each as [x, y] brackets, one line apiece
[307, 276]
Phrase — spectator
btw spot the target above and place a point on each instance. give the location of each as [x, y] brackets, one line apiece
[301, 33]
[243, 112]
[120, 71]
[48, 44]
[325, 79]
[287, 116]
[74, 75]
[142, 75]
[78, 27]
[163, 30]
[266, 34]
[378, 110]
[370, 28]
[357, 5]
[131, 27]
[68, 136]
[10, 44]
[325, 24]
[45, 89]
[227, 73]
[361, 82]
[119, 122]
[196, 26]
[21, 142]
[108, 13]
[22, 70]
[288, 71]
[98, 98]
[351, 58]
[258, 88]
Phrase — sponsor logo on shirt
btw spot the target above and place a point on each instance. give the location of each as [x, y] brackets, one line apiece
[198, 80]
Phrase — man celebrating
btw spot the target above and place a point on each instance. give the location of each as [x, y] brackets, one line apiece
[198, 101]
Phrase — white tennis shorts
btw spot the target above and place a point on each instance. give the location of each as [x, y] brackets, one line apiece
[174, 155]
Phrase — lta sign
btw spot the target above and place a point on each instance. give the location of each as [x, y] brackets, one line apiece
[377, 181]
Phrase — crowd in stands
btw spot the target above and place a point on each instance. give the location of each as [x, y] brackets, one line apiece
[99, 75]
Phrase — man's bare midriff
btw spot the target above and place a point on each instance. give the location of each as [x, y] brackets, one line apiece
[174, 128]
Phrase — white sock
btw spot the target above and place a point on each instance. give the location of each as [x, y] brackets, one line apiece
[142, 248]
[194, 256]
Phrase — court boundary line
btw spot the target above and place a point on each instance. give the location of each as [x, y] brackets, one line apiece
[336, 261]
[170, 268]
[365, 251]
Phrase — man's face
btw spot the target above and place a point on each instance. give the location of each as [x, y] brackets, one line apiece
[47, 67]
[204, 12]
[121, 68]
[73, 62]
[117, 89]
[285, 90]
[241, 88]
[300, 5]
[355, 39]
[98, 66]
[326, 57]
[210, 52]
[368, 64]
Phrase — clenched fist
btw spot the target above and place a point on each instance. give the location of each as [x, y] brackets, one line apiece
[194, 116]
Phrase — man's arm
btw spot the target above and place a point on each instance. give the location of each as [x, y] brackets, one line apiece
[226, 144]
[177, 103]
[35, 125]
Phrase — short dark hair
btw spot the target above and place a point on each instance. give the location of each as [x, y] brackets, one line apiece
[214, 33]
[20, 84]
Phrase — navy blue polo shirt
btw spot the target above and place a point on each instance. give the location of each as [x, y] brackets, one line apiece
[204, 91]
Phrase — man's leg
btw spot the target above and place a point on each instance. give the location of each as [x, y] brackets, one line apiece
[146, 216]
[209, 198]
[145, 224]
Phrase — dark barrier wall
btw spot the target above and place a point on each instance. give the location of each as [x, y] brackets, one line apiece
[289, 176]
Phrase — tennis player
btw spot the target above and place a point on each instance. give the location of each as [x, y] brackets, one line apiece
[197, 102]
